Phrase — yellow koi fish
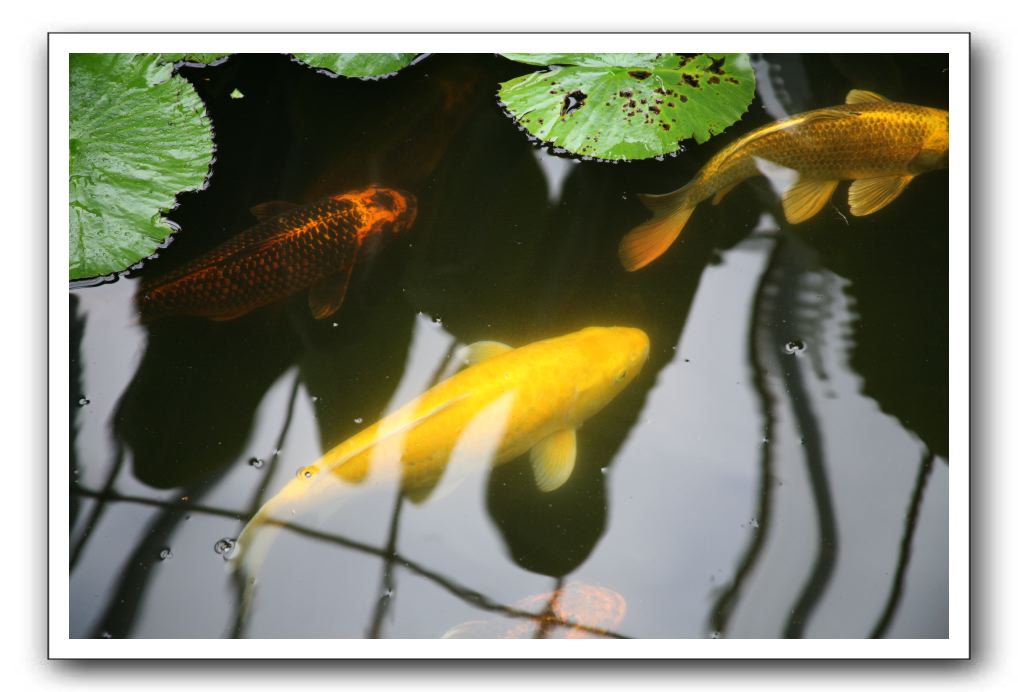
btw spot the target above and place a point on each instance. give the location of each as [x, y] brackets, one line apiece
[878, 144]
[506, 402]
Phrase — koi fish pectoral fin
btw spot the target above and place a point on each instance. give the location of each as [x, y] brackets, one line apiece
[801, 198]
[868, 195]
[326, 297]
[804, 199]
[553, 459]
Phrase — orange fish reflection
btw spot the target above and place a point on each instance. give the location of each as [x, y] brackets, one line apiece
[575, 611]
[292, 248]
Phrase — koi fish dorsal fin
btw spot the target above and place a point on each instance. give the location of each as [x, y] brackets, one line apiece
[873, 194]
[274, 207]
[804, 199]
[863, 96]
[553, 459]
[481, 351]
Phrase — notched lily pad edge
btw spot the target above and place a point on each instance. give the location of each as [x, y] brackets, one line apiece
[369, 78]
[98, 280]
[561, 152]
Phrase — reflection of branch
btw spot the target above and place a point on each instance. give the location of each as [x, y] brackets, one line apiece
[548, 612]
[259, 497]
[905, 552]
[119, 616]
[388, 585]
[474, 598]
[388, 573]
[809, 429]
[828, 539]
[726, 602]
[99, 508]
[239, 618]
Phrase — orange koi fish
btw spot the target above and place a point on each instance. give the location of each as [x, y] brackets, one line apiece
[878, 144]
[292, 248]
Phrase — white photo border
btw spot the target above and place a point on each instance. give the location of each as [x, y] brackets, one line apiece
[955, 646]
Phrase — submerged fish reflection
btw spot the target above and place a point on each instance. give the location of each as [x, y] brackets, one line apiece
[573, 611]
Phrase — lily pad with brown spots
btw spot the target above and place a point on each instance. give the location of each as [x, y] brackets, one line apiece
[622, 106]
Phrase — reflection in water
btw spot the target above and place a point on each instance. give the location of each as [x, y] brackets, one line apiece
[259, 497]
[572, 611]
[779, 318]
[199, 376]
[794, 261]
[911, 521]
[77, 399]
[513, 246]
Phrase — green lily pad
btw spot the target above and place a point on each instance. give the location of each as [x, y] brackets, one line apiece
[360, 65]
[139, 135]
[622, 106]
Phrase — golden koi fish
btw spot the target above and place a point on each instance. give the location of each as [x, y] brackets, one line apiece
[878, 144]
[293, 247]
[508, 401]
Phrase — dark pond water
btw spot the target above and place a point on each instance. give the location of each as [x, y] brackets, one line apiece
[778, 468]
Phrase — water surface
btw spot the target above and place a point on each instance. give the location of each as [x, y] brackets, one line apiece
[778, 469]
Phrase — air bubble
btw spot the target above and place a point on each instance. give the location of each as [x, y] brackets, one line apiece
[305, 472]
[83, 402]
[358, 420]
[224, 546]
[795, 347]
[255, 462]
[165, 554]
[753, 523]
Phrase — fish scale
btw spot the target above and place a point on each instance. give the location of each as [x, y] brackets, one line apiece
[280, 256]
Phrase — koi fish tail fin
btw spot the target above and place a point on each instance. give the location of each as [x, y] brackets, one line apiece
[298, 498]
[248, 553]
[649, 240]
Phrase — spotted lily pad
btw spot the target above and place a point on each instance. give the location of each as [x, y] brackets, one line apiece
[361, 65]
[620, 106]
[138, 136]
